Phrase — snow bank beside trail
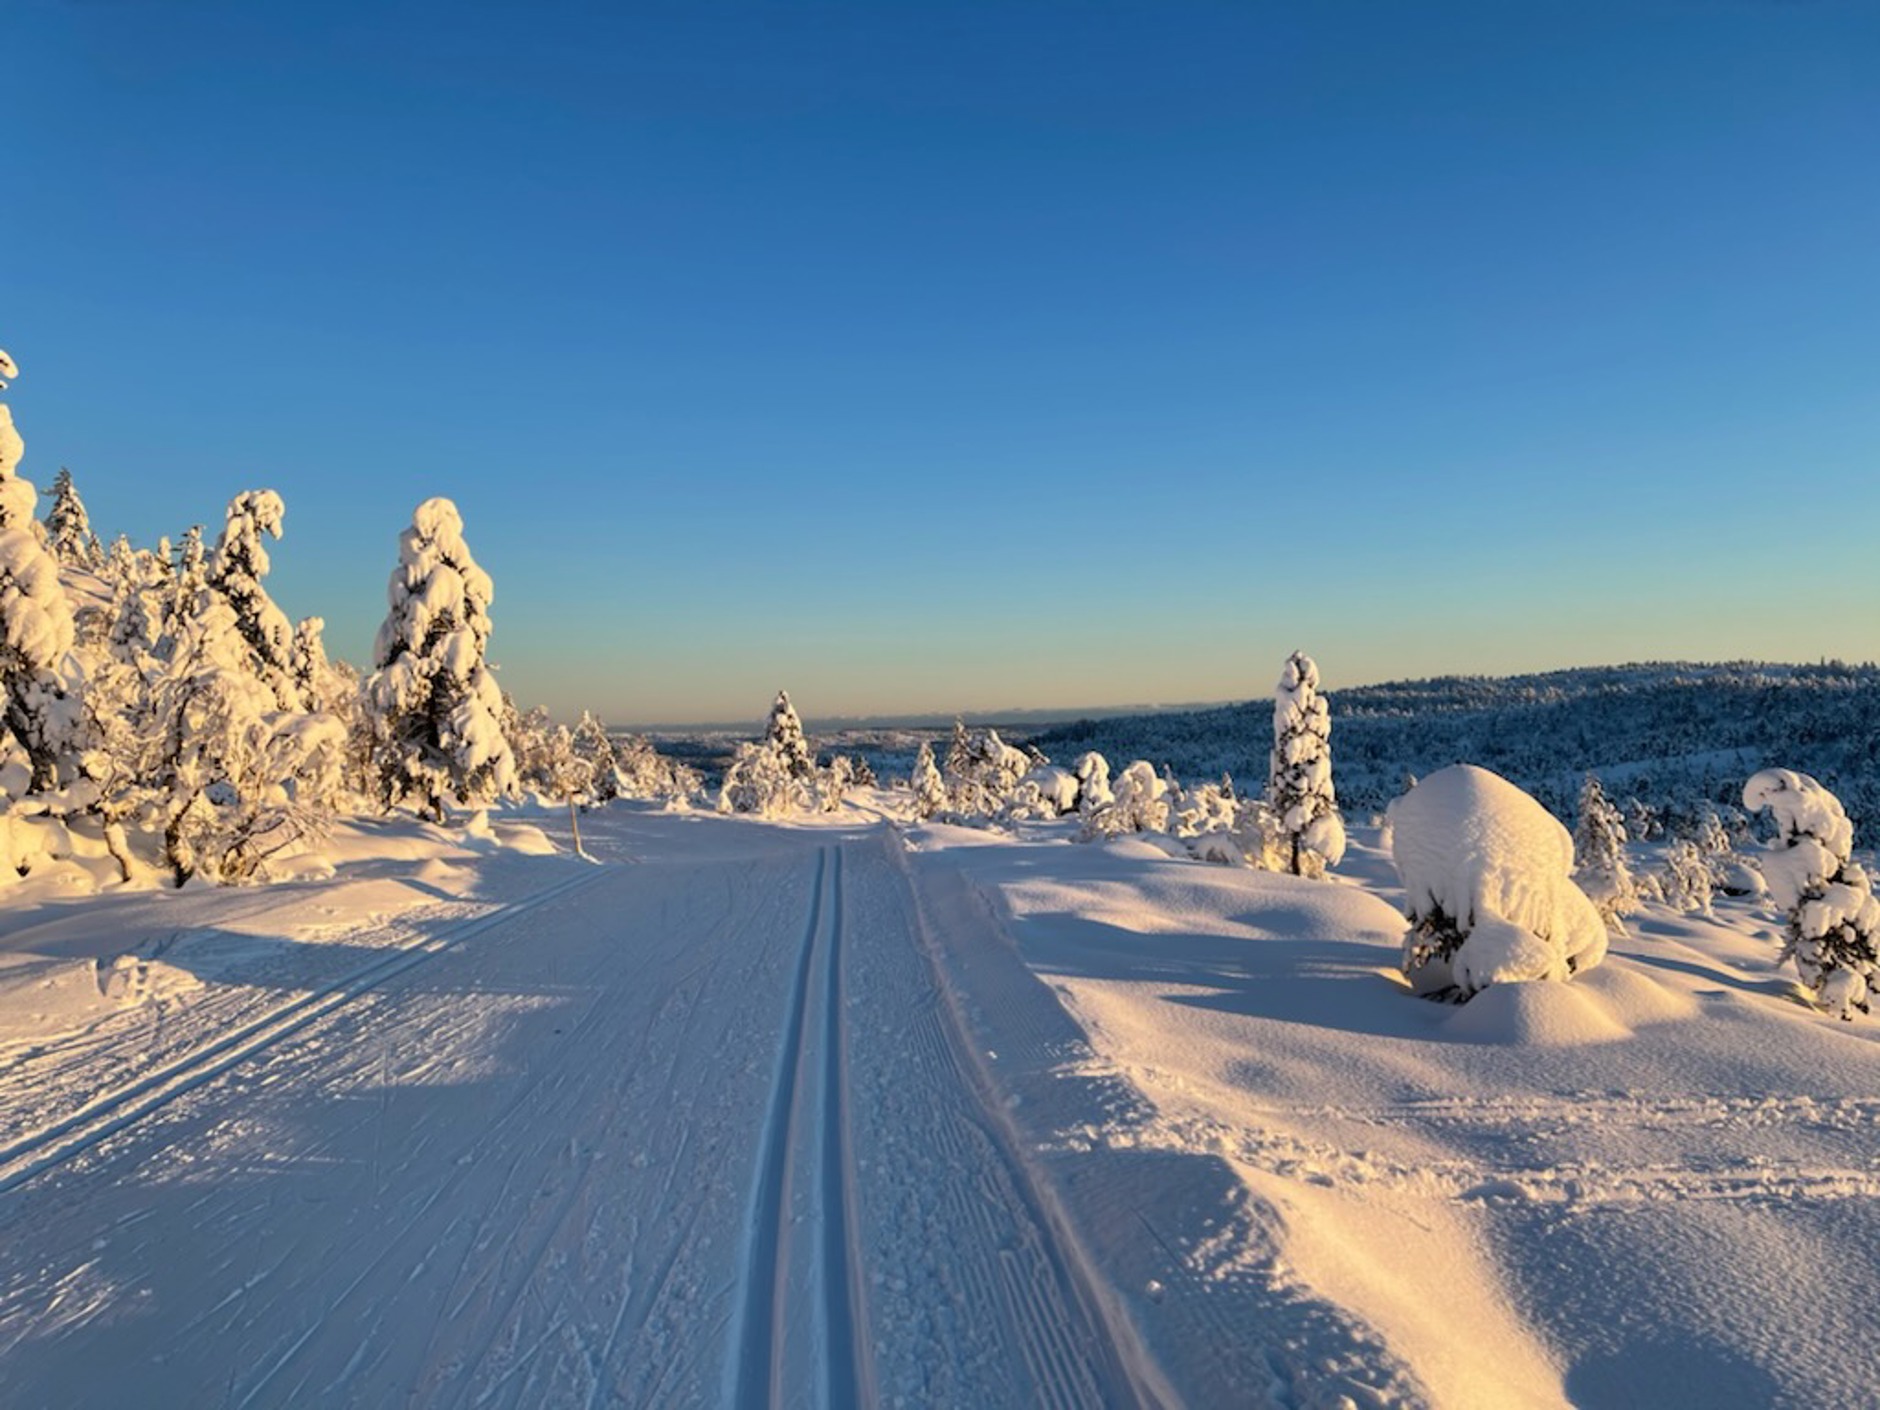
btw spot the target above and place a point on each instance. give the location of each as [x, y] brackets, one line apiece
[1630, 1189]
[1488, 874]
[77, 949]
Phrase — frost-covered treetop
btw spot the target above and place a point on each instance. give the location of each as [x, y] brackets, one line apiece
[437, 585]
[1300, 672]
[1814, 839]
[8, 369]
[251, 515]
[1802, 809]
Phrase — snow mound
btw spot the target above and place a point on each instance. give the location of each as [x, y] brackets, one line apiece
[1610, 1006]
[1537, 1016]
[1488, 872]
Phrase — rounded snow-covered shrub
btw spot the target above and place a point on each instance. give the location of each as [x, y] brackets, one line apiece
[1833, 919]
[1489, 873]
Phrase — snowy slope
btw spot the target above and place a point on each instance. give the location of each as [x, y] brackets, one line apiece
[1653, 1185]
[752, 1114]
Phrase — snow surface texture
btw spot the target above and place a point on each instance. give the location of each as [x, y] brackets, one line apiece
[1834, 919]
[827, 1113]
[1488, 874]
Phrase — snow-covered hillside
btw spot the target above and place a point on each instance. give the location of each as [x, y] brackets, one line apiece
[848, 1111]
[1675, 735]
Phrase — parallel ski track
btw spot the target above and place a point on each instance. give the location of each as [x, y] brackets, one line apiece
[765, 1271]
[845, 1383]
[759, 1346]
[33, 1155]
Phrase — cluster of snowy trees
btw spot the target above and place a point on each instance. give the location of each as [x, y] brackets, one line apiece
[1294, 826]
[160, 699]
[777, 774]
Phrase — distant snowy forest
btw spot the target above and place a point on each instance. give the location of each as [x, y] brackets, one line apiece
[1667, 739]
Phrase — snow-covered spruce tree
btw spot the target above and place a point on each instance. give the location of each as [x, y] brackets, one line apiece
[435, 705]
[592, 744]
[1599, 852]
[240, 779]
[783, 732]
[68, 526]
[1299, 776]
[965, 797]
[1833, 931]
[36, 629]
[235, 570]
[929, 789]
[189, 579]
[1488, 876]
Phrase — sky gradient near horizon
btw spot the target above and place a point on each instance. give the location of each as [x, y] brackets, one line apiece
[930, 357]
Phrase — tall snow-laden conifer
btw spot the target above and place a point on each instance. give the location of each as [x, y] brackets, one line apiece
[784, 733]
[930, 790]
[68, 526]
[436, 705]
[1299, 776]
[235, 570]
[35, 620]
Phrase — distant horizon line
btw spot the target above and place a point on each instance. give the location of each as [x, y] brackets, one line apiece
[1047, 715]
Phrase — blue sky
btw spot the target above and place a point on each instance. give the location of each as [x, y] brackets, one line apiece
[927, 357]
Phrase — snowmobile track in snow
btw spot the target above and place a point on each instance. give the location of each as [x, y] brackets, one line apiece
[802, 1100]
[52, 1146]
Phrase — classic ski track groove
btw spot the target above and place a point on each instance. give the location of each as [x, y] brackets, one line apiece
[52, 1146]
[808, 1117]
[756, 1347]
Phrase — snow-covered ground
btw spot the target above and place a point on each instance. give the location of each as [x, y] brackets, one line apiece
[847, 1113]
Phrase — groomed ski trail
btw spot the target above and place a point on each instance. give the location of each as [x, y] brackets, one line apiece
[692, 1131]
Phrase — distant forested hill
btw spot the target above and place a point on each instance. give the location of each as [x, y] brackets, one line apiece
[1673, 735]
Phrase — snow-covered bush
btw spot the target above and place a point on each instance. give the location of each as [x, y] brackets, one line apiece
[1599, 847]
[929, 789]
[640, 771]
[1299, 776]
[1093, 785]
[1833, 918]
[1139, 803]
[596, 749]
[435, 705]
[759, 780]
[1685, 882]
[1488, 872]
[832, 781]
[1046, 791]
[238, 780]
